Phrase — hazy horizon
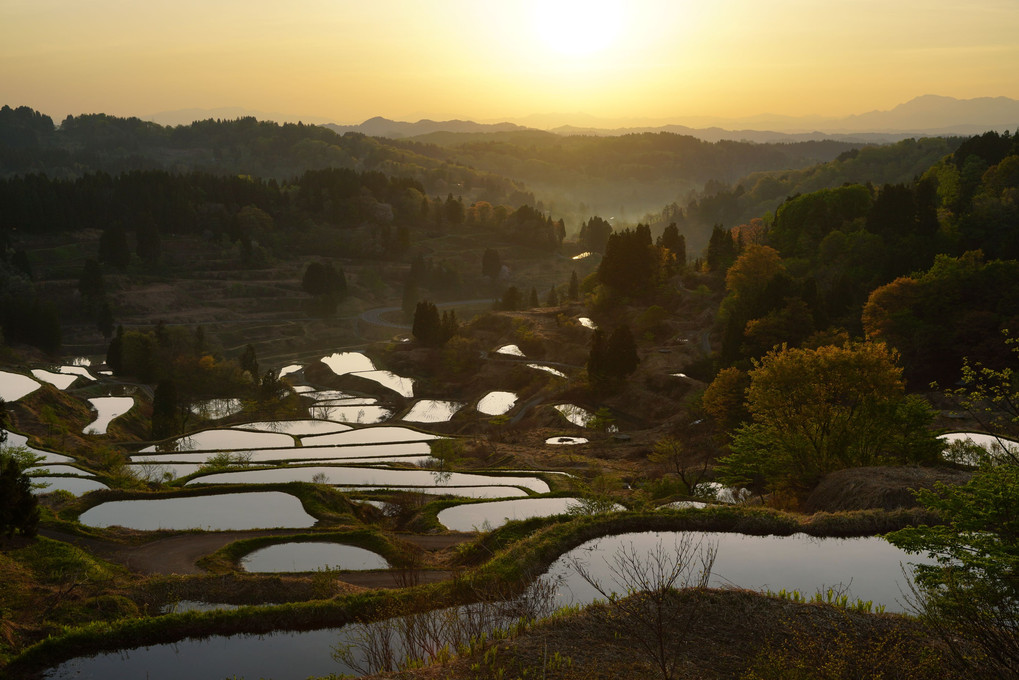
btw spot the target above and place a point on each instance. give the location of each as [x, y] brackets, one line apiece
[654, 60]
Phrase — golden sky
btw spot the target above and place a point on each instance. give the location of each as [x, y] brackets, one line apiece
[347, 60]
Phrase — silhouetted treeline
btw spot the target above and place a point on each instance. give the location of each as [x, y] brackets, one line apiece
[31, 143]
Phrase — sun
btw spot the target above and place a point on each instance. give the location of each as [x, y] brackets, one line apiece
[578, 28]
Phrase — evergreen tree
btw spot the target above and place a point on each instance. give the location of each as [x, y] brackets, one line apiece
[19, 508]
[104, 322]
[511, 299]
[249, 362]
[164, 410]
[491, 263]
[115, 352]
[574, 292]
[621, 353]
[410, 296]
[532, 300]
[596, 358]
[553, 298]
[427, 326]
[90, 283]
[113, 248]
[450, 325]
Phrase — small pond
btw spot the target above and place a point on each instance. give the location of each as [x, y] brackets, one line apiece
[868, 567]
[107, 408]
[583, 255]
[297, 428]
[311, 556]
[326, 395]
[433, 411]
[342, 363]
[496, 403]
[77, 369]
[77, 486]
[994, 446]
[14, 386]
[511, 350]
[226, 439]
[460, 491]
[575, 414]
[59, 380]
[281, 656]
[566, 441]
[548, 369]
[347, 401]
[402, 386]
[50, 469]
[368, 476]
[214, 409]
[219, 512]
[488, 516]
[758, 562]
[587, 323]
[288, 369]
[369, 435]
[161, 472]
[262, 456]
[19, 440]
[356, 415]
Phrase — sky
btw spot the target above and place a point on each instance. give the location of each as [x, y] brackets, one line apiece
[349, 60]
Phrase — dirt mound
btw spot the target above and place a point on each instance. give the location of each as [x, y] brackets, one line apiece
[877, 487]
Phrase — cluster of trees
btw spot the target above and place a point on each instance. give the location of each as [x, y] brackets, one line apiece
[634, 266]
[31, 143]
[326, 283]
[761, 193]
[959, 307]
[25, 316]
[431, 329]
[828, 251]
[611, 360]
[19, 508]
[815, 410]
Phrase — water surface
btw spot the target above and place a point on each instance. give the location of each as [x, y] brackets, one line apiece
[368, 476]
[355, 415]
[402, 386]
[224, 439]
[214, 409]
[107, 408]
[14, 386]
[369, 435]
[219, 512]
[342, 363]
[77, 486]
[297, 428]
[19, 440]
[869, 567]
[488, 516]
[496, 403]
[547, 369]
[575, 414]
[566, 441]
[59, 380]
[511, 350]
[433, 411]
[311, 556]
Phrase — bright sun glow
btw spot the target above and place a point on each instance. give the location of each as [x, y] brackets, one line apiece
[578, 27]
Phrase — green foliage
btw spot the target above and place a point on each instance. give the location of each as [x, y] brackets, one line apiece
[959, 307]
[972, 591]
[815, 411]
[19, 508]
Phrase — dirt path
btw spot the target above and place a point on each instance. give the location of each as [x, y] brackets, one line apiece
[179, 554]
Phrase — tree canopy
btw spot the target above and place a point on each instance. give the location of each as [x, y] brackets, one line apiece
[818, 410]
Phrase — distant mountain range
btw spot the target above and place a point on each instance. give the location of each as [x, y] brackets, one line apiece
[928, 115]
